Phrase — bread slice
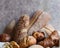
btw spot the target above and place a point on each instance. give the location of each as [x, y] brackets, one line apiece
[38, 21]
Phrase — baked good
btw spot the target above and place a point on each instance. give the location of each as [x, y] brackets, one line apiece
[38, 21]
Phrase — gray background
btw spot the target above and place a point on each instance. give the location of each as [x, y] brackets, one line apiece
[13, 9]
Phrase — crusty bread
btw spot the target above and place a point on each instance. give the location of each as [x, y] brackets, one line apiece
[39, 22]
[21, 28]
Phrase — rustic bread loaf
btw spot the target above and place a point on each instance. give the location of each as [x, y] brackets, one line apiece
[21, 28]
[39, 20]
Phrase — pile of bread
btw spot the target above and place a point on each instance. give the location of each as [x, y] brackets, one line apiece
[31, 32]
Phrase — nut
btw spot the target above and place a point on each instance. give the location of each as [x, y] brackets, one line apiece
[5, 37]
[39, 35]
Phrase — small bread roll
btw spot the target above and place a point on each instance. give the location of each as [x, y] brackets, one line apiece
[27, 41]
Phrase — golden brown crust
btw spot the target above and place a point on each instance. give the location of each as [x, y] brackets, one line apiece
[55, 37]
[27, 41]
[47, 43]
[53, 34]
[14, 44]
[39, 36]
[21, 28]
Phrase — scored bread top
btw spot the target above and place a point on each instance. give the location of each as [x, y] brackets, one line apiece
[40, 22]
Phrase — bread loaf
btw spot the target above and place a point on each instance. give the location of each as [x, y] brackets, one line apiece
[38, 21]
[21, 28]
